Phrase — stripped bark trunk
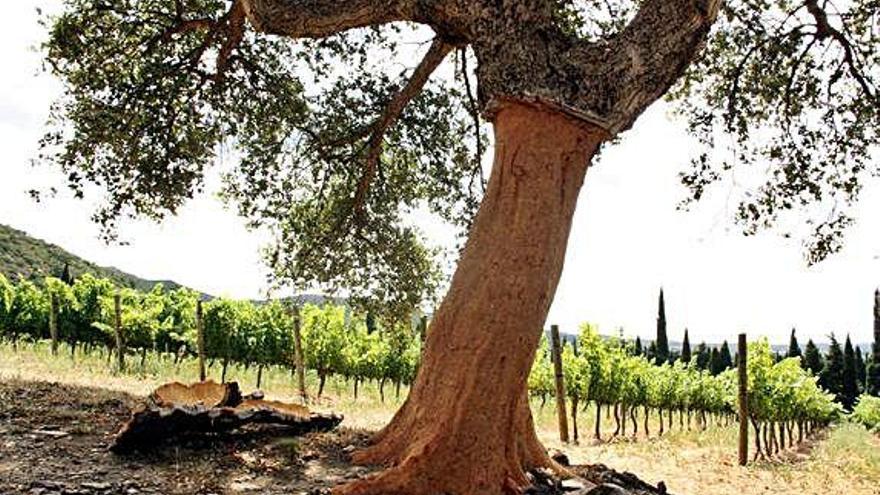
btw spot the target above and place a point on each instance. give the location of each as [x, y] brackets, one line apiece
[512, 261]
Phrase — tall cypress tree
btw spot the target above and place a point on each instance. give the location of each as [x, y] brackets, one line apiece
[860, 370]
[686, 348]
[662, 354]
[872, 380]
[831, 378]
[726, 360]
[812, 359]
[850, 388]
[638, 347]
[794, 350]
[715, 366]
[703, 356]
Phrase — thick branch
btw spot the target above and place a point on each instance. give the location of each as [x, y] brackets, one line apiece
[322, 18]
[824, 30]
[606, 83]
[438, 51]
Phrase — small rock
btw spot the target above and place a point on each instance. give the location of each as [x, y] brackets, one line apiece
[52, 433]
[349, 449]
[606, 489]
[572, 484]
[560, 457]
[47, 485]
[99, 486]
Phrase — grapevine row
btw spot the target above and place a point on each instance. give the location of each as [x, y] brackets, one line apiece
[782, 396]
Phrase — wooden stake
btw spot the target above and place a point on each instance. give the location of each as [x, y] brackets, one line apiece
[742, 347]
[53, 322]
[200, 329]
[556, 352]
[120, 352]
[298, 357]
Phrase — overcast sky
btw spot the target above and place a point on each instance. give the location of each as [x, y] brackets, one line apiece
[628, 239]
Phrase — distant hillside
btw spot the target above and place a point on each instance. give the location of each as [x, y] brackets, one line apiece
[26, 256]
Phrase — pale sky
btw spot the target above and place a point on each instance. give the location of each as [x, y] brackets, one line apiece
[627, 241]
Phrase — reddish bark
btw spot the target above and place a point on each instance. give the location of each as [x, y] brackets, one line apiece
[469, 429]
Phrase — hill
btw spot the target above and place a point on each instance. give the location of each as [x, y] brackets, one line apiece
[32, 258]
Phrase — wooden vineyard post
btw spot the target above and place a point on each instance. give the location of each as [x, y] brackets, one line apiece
[299, 362]
[742, 348]
[53, 322]
[200, 329]
[556, 352]
[117, 326]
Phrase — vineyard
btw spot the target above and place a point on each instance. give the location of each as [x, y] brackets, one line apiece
[785, 402]
[783, 397]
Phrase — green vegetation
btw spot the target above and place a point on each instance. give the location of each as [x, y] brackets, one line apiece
[867, 412]
[335, 341]
[782, 395]
[24, 256]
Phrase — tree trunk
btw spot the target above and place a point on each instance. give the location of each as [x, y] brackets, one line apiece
[574, 419]
[598, 433]
[616, 420]
[322, 378]
[660, 415]
[223, 373]
[382, 389]
[259, 376]
[647, 417]
[452, 435]
[635, 422]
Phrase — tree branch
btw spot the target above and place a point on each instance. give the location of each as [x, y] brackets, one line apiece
[322, 18]
[824, 30]
[436, 53]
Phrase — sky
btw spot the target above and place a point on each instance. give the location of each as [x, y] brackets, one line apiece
[628, 239]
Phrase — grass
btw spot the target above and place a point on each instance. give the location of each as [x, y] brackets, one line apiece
[845, 460]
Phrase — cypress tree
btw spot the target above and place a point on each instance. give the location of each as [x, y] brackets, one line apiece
[812, 359]
[652, 351]
[638, 348]
[703, 356]
[850, 389]
[726, 360]
[370, 322]
[831, 377]
[662, 354]
[872, 380]
[860, 370]
[715, 366]
[64, 275]
[686, 348]
[794, 350]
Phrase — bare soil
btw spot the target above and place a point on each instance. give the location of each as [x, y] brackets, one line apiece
[54, 439]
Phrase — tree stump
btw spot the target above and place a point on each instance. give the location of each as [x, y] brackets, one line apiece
[207, 408]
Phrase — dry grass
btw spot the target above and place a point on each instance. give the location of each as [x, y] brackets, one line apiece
[690, 463]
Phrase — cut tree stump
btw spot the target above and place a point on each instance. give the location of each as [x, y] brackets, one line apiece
[209, 407]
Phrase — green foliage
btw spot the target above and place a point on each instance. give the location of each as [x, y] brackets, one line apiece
[605, 372]
[789, 90]
[813, 358]
[662, 350]
[686, 348]
[831, 377]
[850, 386]
[867, 412]
[29, 312]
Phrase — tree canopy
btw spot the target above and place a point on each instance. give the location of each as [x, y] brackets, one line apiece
[338, 138]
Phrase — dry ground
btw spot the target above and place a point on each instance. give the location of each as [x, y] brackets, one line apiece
[690, 463]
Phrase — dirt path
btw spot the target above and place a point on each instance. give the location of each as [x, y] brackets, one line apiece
[55, 439]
